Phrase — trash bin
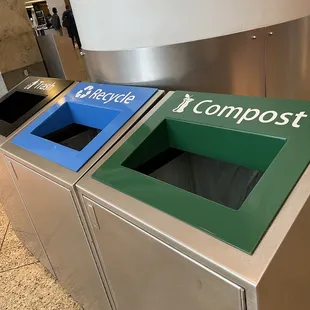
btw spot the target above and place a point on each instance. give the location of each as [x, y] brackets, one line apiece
[204, 204]
[51, 154]
[17, 107]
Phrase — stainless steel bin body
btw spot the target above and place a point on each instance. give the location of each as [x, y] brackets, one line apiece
[48, 191]
[153, 260]
[47, 91]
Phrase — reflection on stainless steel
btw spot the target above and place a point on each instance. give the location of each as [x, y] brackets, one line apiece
[158, 276]
[139, 245]
[229, 64]
[49, 196]
[60, 59]
[74, 268]
[3, 88]
[11, 199]
[18, 215]
[50, 56]
[288, 60]
[272, 62]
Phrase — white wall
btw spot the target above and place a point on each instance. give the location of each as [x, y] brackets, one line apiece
[58, 4]
[126, 24]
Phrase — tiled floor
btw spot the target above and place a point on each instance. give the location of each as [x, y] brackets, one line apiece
[82, 67]
[24, 283]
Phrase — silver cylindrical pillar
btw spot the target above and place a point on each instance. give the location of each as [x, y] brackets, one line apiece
[216, 46]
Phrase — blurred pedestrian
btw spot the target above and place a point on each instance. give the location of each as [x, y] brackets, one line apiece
[56, 22]
[68, 21]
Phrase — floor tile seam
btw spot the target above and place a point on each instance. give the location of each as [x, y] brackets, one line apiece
[18, 267]
[4, 235]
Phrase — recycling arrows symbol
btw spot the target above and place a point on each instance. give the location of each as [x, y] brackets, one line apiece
[84, 92]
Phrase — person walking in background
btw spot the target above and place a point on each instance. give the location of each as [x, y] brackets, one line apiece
[56, 22]
[68, 21]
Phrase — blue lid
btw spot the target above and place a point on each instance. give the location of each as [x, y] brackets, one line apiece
[90, 112]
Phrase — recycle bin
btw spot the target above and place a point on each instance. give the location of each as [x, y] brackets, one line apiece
[51, 154]
[17, 107]
[204, 204]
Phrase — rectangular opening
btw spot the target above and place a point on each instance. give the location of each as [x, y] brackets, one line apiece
[18, 104]
[217, 164]
[74, 125]
[74, 136]
[225, 183]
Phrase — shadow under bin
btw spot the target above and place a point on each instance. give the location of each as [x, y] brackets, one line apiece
[17, 108]
[51, 154]
[210, 203]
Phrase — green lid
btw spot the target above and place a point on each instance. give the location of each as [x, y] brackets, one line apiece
[270, 136]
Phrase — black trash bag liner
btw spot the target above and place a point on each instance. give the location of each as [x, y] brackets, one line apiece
[225, 183]
[17, 105]
[74, 136]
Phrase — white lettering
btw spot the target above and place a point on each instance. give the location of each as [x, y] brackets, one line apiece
[113, 96]
[39, 85]
[125, 97]
[50, 86]
[130, 98]
[100, 96]
[231, 110]
[245, 117]
[217, 108]
[199, 104]
[95, 94]
[32, 84]
[271, 119]
[299, 116]
[118, 97]
[284, 118]
[105, 98]
[43, 86]
[237, 113]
